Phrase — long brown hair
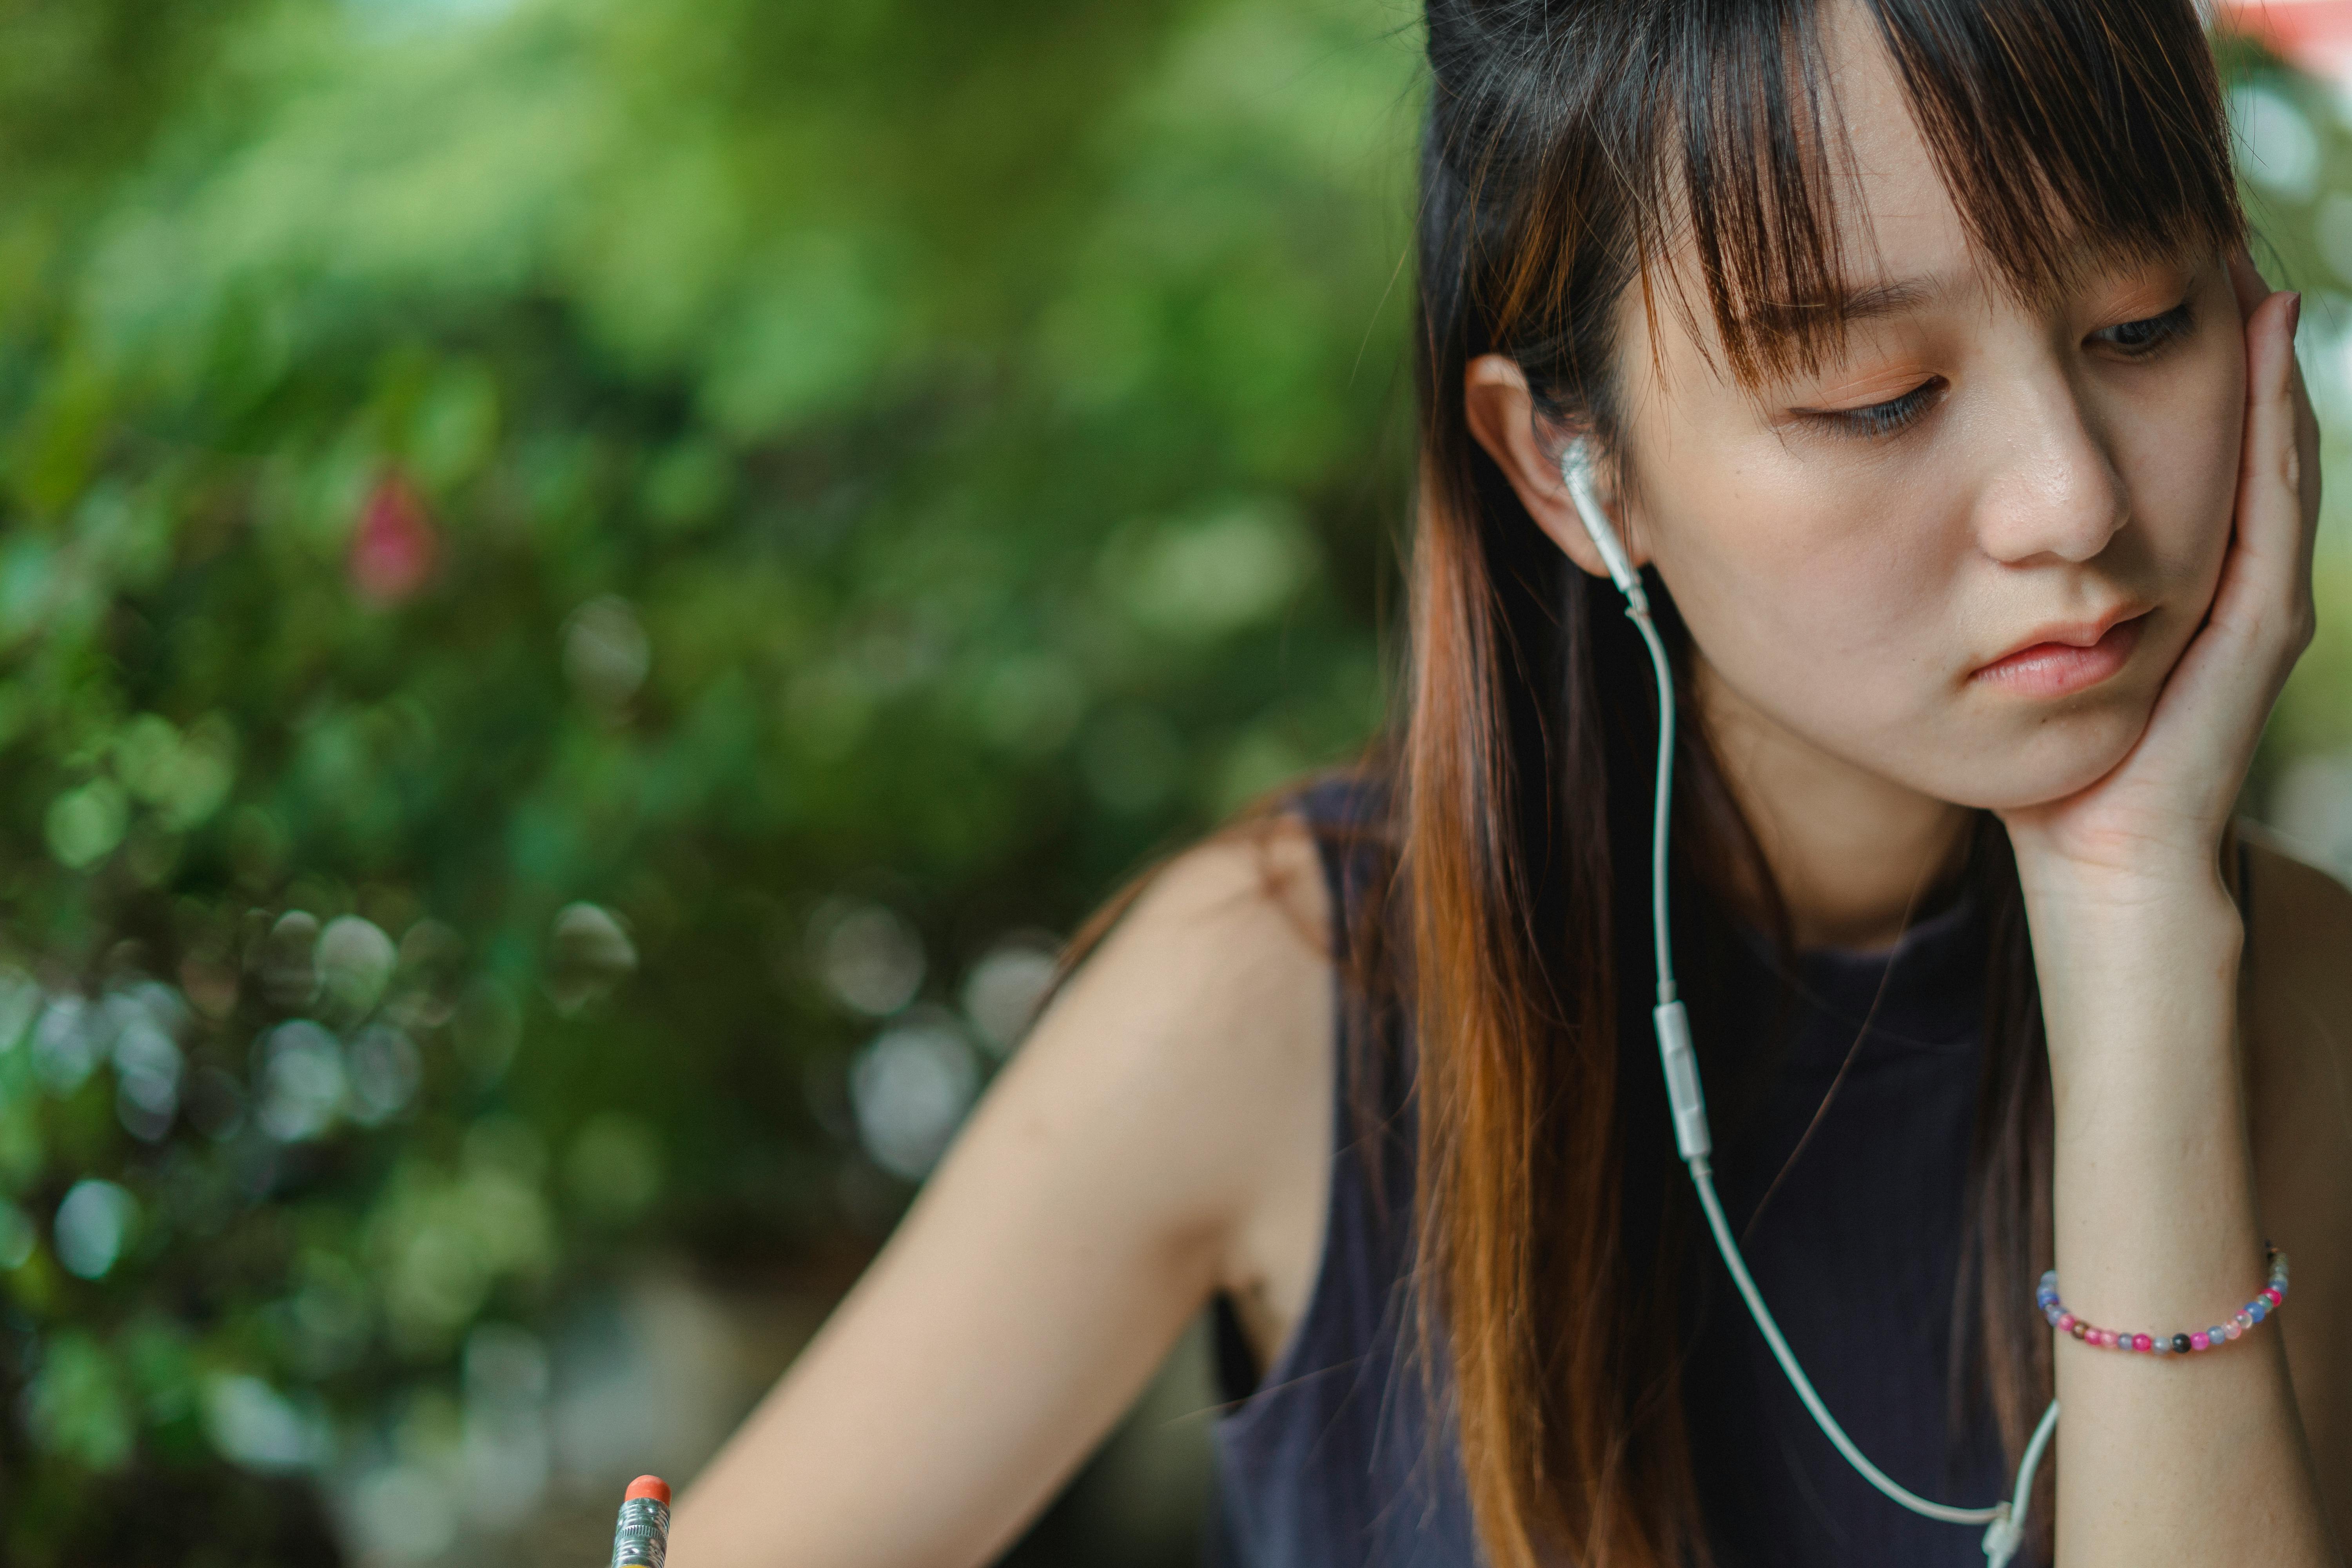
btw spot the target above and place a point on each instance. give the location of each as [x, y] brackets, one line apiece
[1575, 149]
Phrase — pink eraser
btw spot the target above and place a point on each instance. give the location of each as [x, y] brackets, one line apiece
[653, 1487]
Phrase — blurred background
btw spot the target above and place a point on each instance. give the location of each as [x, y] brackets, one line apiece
[587, 591]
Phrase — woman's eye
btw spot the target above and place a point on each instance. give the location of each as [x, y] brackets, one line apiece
[2144, 337]
[1884, 418]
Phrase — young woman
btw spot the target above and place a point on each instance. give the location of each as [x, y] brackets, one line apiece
[1964, 456]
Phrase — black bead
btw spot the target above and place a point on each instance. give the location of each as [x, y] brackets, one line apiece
[2180, 1345]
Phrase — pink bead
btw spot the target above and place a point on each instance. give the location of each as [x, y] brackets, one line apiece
[2065, 1322]
[2199, 1341]
[2103, 1338]
[2141, 1342]
[2271, 1294]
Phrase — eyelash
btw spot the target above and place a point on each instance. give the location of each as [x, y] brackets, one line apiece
[2162, 329]
[1887, 417]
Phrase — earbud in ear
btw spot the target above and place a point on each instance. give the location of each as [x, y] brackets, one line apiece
[1576, 473]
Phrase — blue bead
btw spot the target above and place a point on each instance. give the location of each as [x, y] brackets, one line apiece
[2258, 1309]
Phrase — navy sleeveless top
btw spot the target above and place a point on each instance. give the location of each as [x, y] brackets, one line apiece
[1330, 1459]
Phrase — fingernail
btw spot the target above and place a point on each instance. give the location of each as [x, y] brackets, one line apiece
[2293, 312]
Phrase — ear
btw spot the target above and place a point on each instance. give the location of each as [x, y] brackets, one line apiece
[1502, 416]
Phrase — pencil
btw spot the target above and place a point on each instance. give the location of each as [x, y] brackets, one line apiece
[641, 1539]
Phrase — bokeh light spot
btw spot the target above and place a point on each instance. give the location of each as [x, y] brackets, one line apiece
[355, 961]
[18, 1236]
[588, 954]
[65, 1044]
[1001, 993]
[404, 1512]
[869, 957]
[302, 1082]
[148, 1064]
[84, 824]
[253, 1424]
[385, 1071]
[606, 653]
[910, 1087]
[289, 960]
[2276, 147]
[93, 1226]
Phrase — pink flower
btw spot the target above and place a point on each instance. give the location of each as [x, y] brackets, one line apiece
[2314, 36]
[395, 545]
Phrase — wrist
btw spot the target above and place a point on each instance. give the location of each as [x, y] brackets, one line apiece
[2136, 977]
[2185, 897]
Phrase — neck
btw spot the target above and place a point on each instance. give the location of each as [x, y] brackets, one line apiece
[1853, 853]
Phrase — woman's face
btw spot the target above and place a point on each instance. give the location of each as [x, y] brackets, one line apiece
[1966, 553]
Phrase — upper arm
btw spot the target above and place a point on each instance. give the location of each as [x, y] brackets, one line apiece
[2299, 1061]
[1083, 1214]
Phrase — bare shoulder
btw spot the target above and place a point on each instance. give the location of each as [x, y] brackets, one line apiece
[2298, 1037]
[1251, 883]
[2298, 967]
[1227, 944]
[2298, 953]
[1191, 1045]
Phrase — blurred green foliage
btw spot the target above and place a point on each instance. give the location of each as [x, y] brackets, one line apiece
[564, 564]
[524, 524]
[2295, 139]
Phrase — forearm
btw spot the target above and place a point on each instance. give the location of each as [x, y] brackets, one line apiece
[2176, 1459]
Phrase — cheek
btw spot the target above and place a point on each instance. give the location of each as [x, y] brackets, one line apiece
[2180, 456]
[1828, 607]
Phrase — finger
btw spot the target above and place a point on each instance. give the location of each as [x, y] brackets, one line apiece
[2267, 580]
[2301, 460]
[2306, 445]
[2246, 282]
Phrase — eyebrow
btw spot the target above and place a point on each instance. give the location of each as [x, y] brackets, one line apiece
[1886, 300]
[1808, 318]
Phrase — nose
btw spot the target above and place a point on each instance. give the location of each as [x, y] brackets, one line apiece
[2055, 492]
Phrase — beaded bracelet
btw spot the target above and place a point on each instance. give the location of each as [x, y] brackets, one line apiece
[2252, 1313]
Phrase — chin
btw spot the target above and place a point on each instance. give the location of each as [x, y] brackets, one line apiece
[2053, 760]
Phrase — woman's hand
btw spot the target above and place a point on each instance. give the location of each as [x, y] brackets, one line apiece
[2136, 944]
[2158, 816]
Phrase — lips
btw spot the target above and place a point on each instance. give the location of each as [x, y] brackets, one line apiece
[2062, 660]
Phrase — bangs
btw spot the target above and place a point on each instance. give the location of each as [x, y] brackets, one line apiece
[2069, 136]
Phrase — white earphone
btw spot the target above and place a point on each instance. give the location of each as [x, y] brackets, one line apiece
[2004, 1523]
